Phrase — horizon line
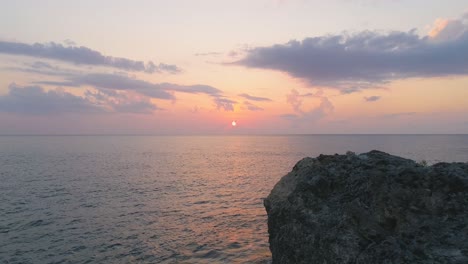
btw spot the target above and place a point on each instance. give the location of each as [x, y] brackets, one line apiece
[253, 134]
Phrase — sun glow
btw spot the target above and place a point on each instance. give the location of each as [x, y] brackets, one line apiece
[234, 123]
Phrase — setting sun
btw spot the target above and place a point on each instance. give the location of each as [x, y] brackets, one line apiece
[234, 123]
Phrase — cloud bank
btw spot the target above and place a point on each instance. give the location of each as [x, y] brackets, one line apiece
[82, 56]
[37, 101]
[351, 62]
[118, 84]
[105, 81]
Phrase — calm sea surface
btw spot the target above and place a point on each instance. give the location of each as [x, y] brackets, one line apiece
[161, 199]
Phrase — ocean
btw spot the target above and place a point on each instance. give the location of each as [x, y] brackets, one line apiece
[162, 199]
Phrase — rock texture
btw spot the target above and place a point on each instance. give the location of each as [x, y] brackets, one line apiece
[369, 208]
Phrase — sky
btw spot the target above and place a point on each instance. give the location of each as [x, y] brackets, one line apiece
[272, 66]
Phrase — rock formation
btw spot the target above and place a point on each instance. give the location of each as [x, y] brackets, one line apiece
[369, 208]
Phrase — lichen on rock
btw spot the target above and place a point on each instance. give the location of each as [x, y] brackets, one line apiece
[369, 208]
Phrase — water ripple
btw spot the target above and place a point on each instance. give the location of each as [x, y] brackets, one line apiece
[159, 199]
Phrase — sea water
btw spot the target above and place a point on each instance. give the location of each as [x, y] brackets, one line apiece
[162, 199]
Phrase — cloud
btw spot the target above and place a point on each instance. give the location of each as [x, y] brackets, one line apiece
[42, 65]
[325, 107]
[372, 98]
[69, 42]
[252, 107]
[295, 99]
[448, 29]
[123, 102]
[224, 103]
[162, 67]
[82, 56]
[42, 68]
[254, 98]
[106, 83]
[194, 89]
[350, 90]
[122, 82]
[368, 59]
[58, 83]
[154, 90]
[35, 100]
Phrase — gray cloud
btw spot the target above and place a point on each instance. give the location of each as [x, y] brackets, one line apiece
[372, 98]
[252, 107]
[121, 102]
[196, 89]
[43, 68]
[224, 103]
[107, 83]
[122, 82]
[69, 42]
[82, 56]
[352, 62]
[42, 65]
[35, 100]
[58, 83]
[350, 90]
[163, 67]
[255, 98]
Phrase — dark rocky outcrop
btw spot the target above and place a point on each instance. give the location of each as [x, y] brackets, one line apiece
[369, 208]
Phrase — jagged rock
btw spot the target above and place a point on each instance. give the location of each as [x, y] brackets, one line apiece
[369, 208]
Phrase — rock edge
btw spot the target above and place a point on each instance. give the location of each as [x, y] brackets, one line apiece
[369, 208]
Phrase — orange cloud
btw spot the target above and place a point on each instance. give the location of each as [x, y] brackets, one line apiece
[448, 29]
[437, 27]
